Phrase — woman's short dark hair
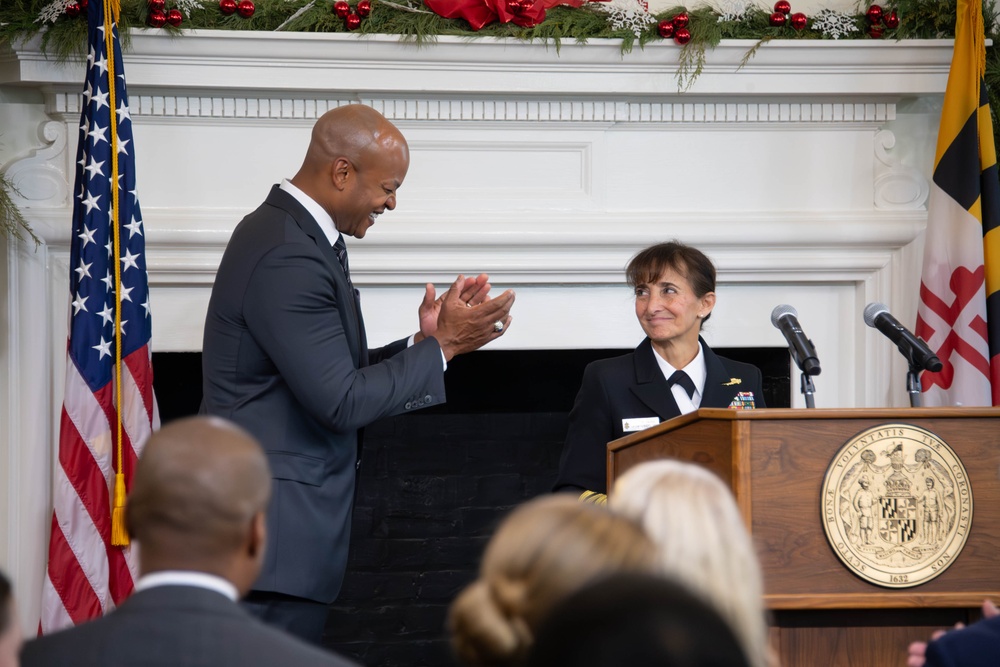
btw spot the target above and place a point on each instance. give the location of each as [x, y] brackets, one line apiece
[649, 264]
[6, 595]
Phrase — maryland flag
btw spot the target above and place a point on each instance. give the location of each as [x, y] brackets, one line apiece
[959, 311]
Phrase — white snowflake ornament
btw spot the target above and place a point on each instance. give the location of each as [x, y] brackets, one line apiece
[733, 10]
[188, 6]
[52, 11]
[834, 24]
[631, 14]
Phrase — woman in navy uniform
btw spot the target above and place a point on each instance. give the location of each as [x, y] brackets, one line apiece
[671, 373]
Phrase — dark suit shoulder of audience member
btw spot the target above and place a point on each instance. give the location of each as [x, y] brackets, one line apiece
[148, 628]
[977, 645]
[197, 511]
[637, 620]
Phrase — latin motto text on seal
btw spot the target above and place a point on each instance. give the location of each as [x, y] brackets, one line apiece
[897, 505]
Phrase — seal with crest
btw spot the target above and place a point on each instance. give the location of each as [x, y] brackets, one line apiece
[897, 505]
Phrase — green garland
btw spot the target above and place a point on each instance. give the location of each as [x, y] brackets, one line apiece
[918, 19]
[66, 37]
[12, 223]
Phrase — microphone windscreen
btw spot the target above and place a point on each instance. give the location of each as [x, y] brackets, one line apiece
[780, 311]
[873, 310]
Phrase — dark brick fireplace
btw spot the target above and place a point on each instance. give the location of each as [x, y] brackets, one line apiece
[435, 483]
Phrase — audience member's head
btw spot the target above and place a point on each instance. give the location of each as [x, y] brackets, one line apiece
[702, 541]
[10, 629]
[638, 620]
[542, 551]
[198, 501]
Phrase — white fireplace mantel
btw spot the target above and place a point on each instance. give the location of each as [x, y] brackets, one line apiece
[802, 174]
[214, 60]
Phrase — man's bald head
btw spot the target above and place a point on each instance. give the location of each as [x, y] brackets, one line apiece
[355, 163]
[200, 486]
[356, 132]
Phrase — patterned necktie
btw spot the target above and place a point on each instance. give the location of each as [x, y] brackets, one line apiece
[341, 249]
[684, 380]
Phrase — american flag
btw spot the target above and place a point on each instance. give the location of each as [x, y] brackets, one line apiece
[959, 311]
[87, 574]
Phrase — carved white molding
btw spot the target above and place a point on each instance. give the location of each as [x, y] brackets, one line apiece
[897, 186]
[40, 178]
[537, 111]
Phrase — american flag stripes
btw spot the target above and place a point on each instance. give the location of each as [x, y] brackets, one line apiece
[87, 575]
[959, 311]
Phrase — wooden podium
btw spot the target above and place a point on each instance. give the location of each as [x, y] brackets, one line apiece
[775, 462]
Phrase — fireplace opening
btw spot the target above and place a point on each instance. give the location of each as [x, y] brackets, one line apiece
[488, 381]
[434, 484]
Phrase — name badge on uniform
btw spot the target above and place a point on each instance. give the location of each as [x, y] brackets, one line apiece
[639, 423]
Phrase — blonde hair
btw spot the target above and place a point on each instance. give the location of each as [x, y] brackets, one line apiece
[543, 551]
[702, 542]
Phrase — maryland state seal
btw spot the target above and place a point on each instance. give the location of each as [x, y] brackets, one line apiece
[897, 505]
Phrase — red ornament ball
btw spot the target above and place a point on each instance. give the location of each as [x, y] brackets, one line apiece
[665, 28]
[341, 9]
[682, 36]
[353, 21]
[83, 5]
[157, 18]
[875, 32]
[246, 8]
[777, 19]
[73, 10]
[155, 5]
[874, 14]
[227, 7]
[364, 8]
[799, 20]
[681, 21]
[891, 21]
[783, 6]
[174, 17]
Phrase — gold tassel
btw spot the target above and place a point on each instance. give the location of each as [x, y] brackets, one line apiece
[119, 535]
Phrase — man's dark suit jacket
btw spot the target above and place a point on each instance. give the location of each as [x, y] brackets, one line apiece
[632, 386]
[175, 626]
[286, 357]
[978, 645]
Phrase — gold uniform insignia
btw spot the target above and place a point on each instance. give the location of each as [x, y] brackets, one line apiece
[732, 381]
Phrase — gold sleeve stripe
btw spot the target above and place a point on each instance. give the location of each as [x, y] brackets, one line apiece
[594, 497]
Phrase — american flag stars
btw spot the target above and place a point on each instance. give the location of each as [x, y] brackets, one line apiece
[94, 276]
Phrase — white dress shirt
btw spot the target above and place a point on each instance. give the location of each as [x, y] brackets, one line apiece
[695, 370]
[187, 578]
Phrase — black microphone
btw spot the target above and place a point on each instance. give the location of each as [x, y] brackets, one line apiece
[785, 318]
[914, 349]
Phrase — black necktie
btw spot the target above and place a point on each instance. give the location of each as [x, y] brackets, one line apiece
[684, 380]
[341, 249]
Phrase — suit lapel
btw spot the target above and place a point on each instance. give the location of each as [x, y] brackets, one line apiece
[353, 325]
[650, 386]
[720, 388]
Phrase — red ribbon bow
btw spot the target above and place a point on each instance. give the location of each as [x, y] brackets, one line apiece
[479, 13]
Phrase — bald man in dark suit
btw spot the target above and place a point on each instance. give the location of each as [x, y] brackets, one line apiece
[197, 512]
[286, 354]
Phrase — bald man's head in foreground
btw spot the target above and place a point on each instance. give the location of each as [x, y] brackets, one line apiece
[198, 501]
[355, 163]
